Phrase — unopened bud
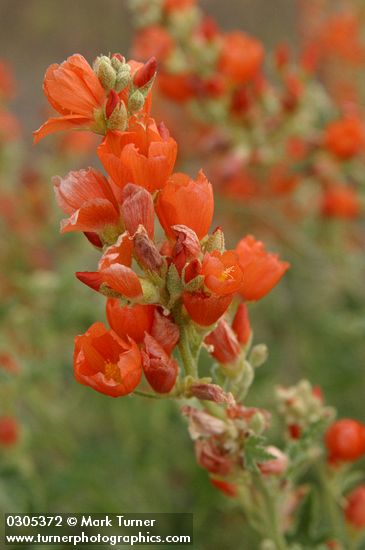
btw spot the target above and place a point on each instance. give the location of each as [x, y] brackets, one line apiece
[146, 251]
[117, 61]
[145, 73]
[123, 78]
[118, 120]
[258, 355]
[106, 73]
[216, 241]
[111, 104]
[135, 102]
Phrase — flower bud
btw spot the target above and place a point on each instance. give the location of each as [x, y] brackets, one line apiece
[355, 508]
[160, 369]
[275, 466]
[258, 355]
[118, 61]
[212, 458]
[241, 324]
[216, 241]
[146, 251]
[150, 293]
[225, 344]
[137, 209]
[118, 120]
[123, 78]
[113, 101]
[165, 331]
[145, 73]
[202, 423]
[135, 102]
[105, 72]
[212, 392]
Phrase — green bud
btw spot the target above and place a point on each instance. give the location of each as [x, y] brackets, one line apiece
[123, 78]
[216, 242]
[119, 118]
[135, 102]
[106, 74]
[258, 355]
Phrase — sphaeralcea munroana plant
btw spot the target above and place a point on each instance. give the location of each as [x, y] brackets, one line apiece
[172, 291]
[275, 134]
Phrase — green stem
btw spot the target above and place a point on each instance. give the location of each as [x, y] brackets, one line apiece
[333, 510]
[271, 516]
[150, 395]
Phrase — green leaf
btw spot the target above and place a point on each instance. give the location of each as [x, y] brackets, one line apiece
[255, 452]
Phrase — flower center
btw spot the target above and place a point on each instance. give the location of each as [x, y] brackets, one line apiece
[112, 372]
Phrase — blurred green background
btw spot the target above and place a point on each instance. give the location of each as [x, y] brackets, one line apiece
[81, 451]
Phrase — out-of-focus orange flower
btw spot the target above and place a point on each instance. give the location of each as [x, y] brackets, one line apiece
[132, 321]
[9, 431]
[175, 5]
[87, 196]
[340, 201]
[241, 56]
[226, 347]
[9, 127]
[8, 363]
[212, 457]
[341, 37]
[160, 369]
[75, 92]
[261, 270]
[355, 508]
[205, 309]
[281, 180]
[345, 138]
[177, 87]
[145, 155]
[7, 83]
[106, 362]
[153, 41]
[229, 489]
[184, 201]
[78, 143]
[222, 273]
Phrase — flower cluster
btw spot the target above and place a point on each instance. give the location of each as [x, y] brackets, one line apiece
[163, 287]
[272, 135]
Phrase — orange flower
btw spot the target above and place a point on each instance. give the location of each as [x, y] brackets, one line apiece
[153, 41]
[177, 87]
[87, 196]
[340, 201]
[75, 92]
[7, 84]
[241, 57]
[205, 309]
[261, 270]
[145, 155]
[9, 431]
[173, 5]
[106, 362]
[345, 138]
[355, 508]
[9, 127]
[229, 489]
[225, 343]
[159, 368]
[241, 324]
[222, 273]
[184, 201]
[132, 321]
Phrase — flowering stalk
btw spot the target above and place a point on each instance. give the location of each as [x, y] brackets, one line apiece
[176, 288]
